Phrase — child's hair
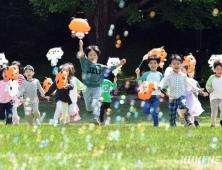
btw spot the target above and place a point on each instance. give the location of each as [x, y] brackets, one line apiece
[71, 69]
[28, 67]
[154, 57]
[92, 48]
[1, 71]
[18, 64]
[217, 63]
[175, 57]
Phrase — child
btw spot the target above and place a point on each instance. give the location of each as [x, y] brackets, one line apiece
[73, 109]
[17, 102]
[93, 76]
[28, 90]
[151, 76]
[6, 102]
[214, 87]
[62, 97]
[176, 82]
[106, 87]
[195, 108]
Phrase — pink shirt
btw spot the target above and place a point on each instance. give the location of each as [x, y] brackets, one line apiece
[4, 94]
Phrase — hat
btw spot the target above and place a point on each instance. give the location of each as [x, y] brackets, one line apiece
[28, 67]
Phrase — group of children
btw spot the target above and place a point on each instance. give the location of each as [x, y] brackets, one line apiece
[183, 91]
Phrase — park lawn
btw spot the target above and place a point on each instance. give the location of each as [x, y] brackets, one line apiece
[132, 144]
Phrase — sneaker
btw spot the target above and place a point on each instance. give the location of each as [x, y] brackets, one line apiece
[221, 122]
[196, 123]
[182, 121]
[90, 112]
[212, 125]
[95, 121]
[37, 122]
[191, 124]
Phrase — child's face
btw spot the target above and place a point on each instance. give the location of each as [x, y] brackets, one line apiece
[183, 70]
[66, 70]
[153, 65]
[176, 65]
[4, 75]
[92, 57]
[218, 71]
[29, 74]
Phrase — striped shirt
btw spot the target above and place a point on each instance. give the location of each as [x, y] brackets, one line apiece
[29, 89]
[21, 79]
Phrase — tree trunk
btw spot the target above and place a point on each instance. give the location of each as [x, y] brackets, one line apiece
[100, 20]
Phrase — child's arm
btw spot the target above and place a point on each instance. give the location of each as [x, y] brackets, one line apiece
[51, 89]
[114, 84]
[41, 90]
[137, 71]
[202, 93]
[209, 84]
[122, 62]
[188, 83]
[79, 84]
[163, 82]
[20, 94]
[81, 53]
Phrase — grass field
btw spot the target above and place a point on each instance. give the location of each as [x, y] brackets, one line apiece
[131, 144]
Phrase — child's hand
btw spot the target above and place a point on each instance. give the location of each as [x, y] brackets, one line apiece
[137, 71]
[123, 61]
[68, 86]
[205, 94]
[145, 57]
[200, 90]
[80, 43]
[47, 97]
[115, 80]
[78, 96]
[53, 93]
[211, 90]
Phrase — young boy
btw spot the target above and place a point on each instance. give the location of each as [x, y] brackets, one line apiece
[214, 87]
[176, 82]
[151, 76]
[106, 87]
[92, 77]
[28, 90]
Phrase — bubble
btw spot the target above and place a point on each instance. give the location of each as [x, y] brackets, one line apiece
[112, 27]
[126, 86]
[116, 106]
[101, 98]
[151, 109]
[215, 12]
[118, 119]
[161, 100]
[152, 14]
[108, 118]
[213, 145]
[110, 33]
[123, 97]
[121, 101]
[160, 114]
[142, 104]
[26, 103]
[126, 33]
[128, 114]
[117, 36]
[55, 70]
[154, 150]
[214, 139]
[163, 119]
[136, 114]
[121, 4]
[149, 117]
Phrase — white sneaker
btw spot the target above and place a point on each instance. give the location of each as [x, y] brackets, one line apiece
[37, 122]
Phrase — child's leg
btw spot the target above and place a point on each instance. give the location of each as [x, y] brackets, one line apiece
[95, 102]
[172, 112]
[155, 113]
[214, 110]
[36, 111]
[9, 112]
[102, 112]
[184, 109]
[146, 108]
[64, 110]
[2, 111]
[58, 111]
[220, 106]
[87, 94]
[72, 109]
[28, 114]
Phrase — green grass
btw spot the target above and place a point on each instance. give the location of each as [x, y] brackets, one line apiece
[83, 146]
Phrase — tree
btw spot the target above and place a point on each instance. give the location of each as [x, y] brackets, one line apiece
[101, 14]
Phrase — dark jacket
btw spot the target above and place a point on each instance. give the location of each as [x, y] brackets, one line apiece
[61, 94]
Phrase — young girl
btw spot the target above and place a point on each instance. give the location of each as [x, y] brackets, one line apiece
[16, 101]
[195, 108]
[73, 109]
[62, 97]
[6, 102]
